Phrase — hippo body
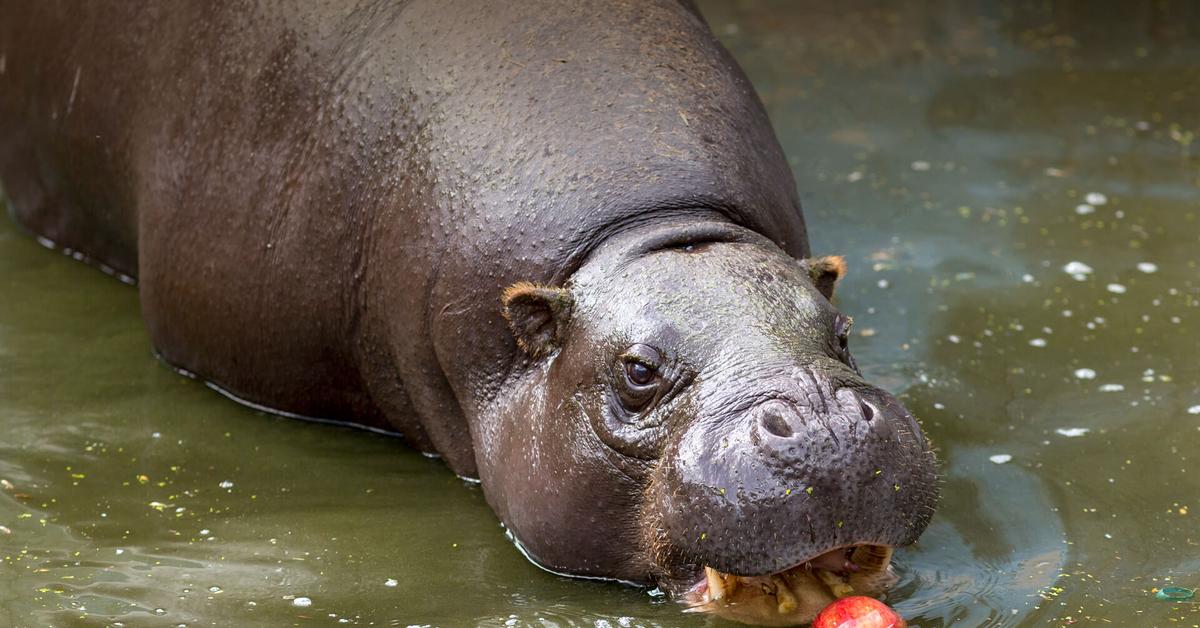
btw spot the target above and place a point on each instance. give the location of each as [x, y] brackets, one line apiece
[413, 216]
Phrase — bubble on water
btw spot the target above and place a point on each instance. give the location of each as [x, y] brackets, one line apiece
[120, 551]
[1115, 288]
[214, 589]
[302, 602]
[953, 338]
[1072, 432]
[1078, 270]
[1085, 373]
[1037, 342]
[390, 582]
[1084, 208]
[1147, 267]
[1027, 278]
[225, 484]
[1111, 388]
[883, 283]
[1194, 409]
[156, 435]
[1096, 198]
[160, 611]
[1000, 458]
[205, 532]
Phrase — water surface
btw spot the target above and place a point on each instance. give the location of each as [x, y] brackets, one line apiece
[1017, 191]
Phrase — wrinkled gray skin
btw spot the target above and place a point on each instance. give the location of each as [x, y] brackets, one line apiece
[323, 202]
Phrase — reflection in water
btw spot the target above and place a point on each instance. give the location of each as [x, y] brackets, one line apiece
[961, 155]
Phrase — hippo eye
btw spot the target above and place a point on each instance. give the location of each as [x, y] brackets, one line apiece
[639, 374]
[639, 377]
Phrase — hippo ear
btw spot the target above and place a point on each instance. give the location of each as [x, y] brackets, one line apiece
[825, 272]
[538, 315]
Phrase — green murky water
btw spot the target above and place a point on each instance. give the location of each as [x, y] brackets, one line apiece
[1017, 190]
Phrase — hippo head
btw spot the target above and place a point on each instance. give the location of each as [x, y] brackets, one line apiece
[689, 416]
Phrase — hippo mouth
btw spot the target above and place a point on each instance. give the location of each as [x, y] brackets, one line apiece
[793, 596]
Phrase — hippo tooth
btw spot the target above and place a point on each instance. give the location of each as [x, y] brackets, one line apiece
[838, 587]
[731, 584]
[872, 557]
[787, 600]
[716, 588]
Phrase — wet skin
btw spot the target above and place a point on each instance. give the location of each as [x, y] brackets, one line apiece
[558, 246]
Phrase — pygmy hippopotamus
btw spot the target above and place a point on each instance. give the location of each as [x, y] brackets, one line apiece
[555, 243]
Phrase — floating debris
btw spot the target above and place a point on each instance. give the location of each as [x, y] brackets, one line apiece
[1194, 409]
[226, 484]
[1085, 373]
[1078, 270]
[1096, 198]
[302, 602]
[1000, 458]
[921, 166]
[1072, 432]
[1084, 208]
[1037, 342]
[390, 582]
[1111, 388]
[1175, 594]
[1115, 288]
[1147, 267]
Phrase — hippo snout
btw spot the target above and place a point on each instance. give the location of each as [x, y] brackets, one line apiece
[794, 477]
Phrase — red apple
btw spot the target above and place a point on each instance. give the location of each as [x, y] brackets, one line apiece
[858, 612]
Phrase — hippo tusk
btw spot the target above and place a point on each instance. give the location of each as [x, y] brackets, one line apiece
[731, 584]
[838, 587]
[716, 585]
[787, 600]
[872, 557]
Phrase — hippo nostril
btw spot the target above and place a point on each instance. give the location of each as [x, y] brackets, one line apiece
[776, 424]
[868, 411]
